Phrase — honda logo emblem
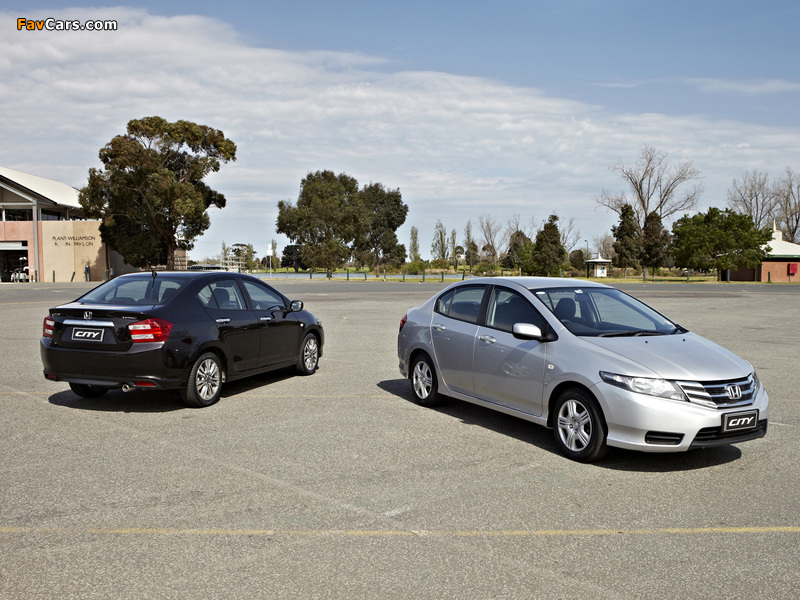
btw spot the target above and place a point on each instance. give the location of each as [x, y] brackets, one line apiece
[87, 315]
[734, 392]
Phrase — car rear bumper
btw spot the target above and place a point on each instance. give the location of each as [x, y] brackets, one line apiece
[144, 365]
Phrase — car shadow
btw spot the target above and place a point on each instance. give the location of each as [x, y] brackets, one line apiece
[617, 459]
[161, 401]
[137, 401]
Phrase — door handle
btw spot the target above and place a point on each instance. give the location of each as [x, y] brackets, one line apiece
[488, 339]
[438, 327]
[265, 319]
[223, 321]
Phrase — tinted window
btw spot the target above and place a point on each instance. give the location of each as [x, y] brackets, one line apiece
[263, 298]
[507, 307]
[464, 304]
[224, 295]
[135, 290]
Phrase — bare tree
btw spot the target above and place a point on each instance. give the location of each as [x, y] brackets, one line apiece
[469, 244]
[605, 245]
[569, 235]
[786, 192]
[489, 229]
[654, 186]
[752, 196]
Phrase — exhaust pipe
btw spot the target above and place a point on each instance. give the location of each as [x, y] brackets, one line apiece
[127, 387]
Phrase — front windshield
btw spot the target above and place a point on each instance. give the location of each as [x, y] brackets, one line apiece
[605, 312]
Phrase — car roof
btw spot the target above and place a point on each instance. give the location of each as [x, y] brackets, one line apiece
[188, 274]
[540, 282]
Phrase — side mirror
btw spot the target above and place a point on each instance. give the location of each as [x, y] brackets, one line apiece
[526, 331]
[296, 305]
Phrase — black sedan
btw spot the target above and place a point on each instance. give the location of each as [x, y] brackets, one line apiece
[190, 331]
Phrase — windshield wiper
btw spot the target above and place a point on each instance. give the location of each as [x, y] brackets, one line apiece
[679, 329]
[633, 333]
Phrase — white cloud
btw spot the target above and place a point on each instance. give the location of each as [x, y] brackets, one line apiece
[456, 146]
[746, 87]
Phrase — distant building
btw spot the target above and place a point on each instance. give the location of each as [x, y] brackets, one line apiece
[781, 263]
[43, 228]
[597, 267]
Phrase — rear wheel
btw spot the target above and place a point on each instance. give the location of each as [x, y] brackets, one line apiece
[88, 391]
[205, 382]
[423, 381]
[308, 359]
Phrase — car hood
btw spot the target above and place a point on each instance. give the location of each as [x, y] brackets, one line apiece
[685, 357]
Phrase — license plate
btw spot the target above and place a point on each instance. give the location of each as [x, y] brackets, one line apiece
[87, 334]
[740, 420]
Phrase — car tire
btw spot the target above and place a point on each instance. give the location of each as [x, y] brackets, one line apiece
[424, 382]
[88, 391]
[205, 382]
[579, 427]
[308, 358]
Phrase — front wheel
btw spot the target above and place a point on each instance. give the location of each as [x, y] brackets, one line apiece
[423, 382]
[205, 382]
[579, 427]
[308, 359]
[88, 391]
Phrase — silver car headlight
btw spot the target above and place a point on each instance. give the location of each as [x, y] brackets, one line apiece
[661, 388]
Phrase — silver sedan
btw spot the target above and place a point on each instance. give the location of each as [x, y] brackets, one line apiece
[596, 365]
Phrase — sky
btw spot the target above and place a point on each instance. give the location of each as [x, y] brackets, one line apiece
[512, 109]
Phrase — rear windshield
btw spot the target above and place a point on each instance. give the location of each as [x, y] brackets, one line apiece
[145, 290]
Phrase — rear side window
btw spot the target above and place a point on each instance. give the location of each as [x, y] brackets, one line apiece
[222, 295]
[463, 303]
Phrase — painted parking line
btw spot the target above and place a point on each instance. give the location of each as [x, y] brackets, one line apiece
[145, 531]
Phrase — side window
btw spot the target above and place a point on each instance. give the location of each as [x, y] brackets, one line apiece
[443, 303]
[507, 307]
[466, 303]
[263, 298]
[225, 295]
[205, 297]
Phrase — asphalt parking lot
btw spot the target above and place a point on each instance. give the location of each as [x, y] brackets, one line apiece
[338, 486]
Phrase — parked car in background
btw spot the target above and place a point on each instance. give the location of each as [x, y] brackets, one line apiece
[191, 331]
[596, 365]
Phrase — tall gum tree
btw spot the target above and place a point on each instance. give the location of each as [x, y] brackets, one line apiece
[150, 194]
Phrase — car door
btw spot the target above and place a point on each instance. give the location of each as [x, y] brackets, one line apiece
[454, 329]
[509, 371]
[281, 332]
[239, 328]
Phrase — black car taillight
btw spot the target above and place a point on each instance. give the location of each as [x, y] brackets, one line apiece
[47, 327]
[150, 330]
[403, 321]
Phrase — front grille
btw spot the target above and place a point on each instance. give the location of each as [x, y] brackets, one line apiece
[720, 394]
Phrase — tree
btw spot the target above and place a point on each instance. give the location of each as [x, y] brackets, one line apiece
[324, 222]
[786, 192]
[718, 240]
[654, 185]
[489, 229]
[150, 195]
[414, 254]
[245, 254]
[383, 213]
[548, 252]
[452, 248]
[439, 242]
[578, 258]
[752, 196]
[293, 258]
[655, 243]
[628, 245]
[513, 257]
[470, 247]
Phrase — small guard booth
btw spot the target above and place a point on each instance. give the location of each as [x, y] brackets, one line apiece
[598, 267]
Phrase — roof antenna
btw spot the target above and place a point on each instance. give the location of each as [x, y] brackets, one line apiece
[153, 271]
